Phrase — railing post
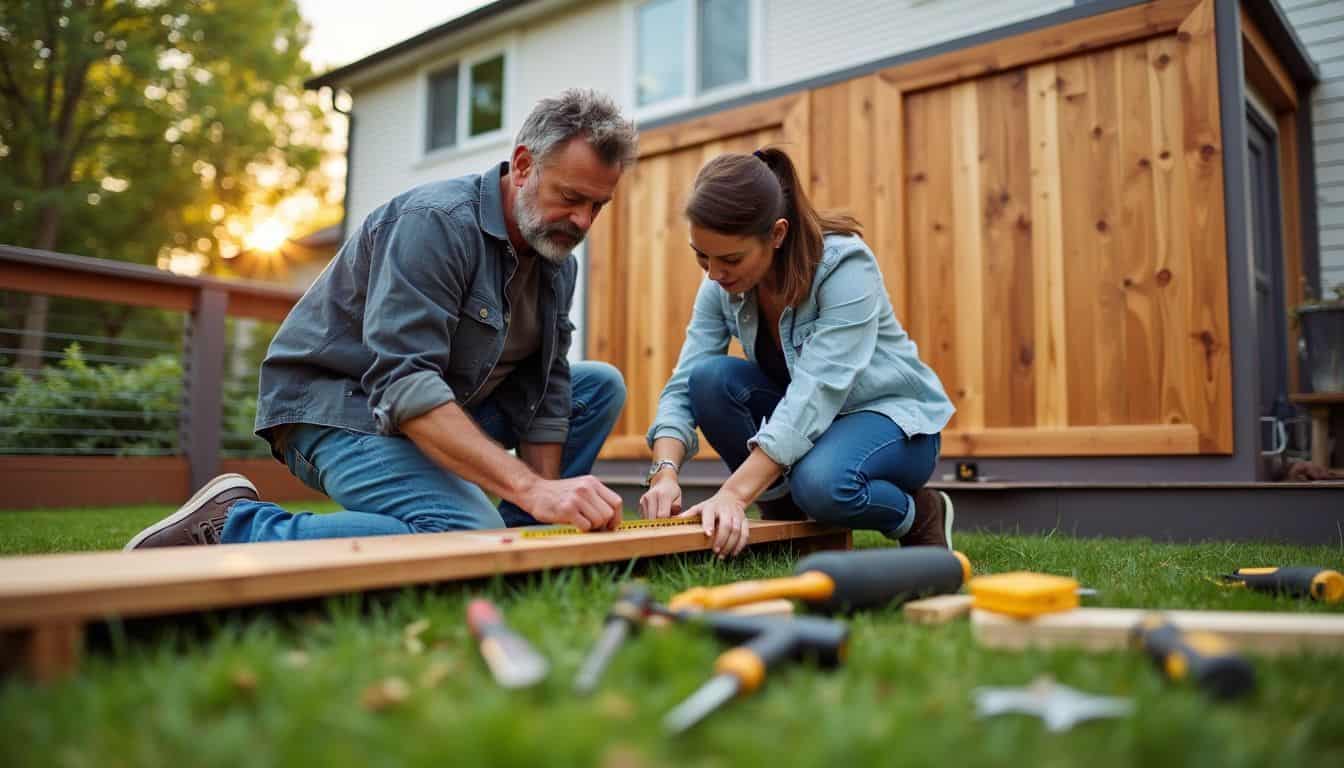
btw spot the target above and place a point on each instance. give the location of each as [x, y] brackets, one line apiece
[203, 387]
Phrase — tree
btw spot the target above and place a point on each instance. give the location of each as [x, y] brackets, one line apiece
[134, 129]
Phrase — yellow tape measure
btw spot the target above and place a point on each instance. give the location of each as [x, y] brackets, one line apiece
[626, 525]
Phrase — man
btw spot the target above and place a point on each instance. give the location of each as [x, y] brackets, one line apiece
[436, 340]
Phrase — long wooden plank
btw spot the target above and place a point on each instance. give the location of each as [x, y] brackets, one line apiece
[886, 231]
[1104, 198]
[1172, 279]
[1208, 381]
[1047, 248]
[44, 589]
[940, 257]
[1100, 31]
[1144, 339]
[1080, 264]
[968, 256]
[1294, 285]
[1008, 323]
[1105, 629]
[1131, 440]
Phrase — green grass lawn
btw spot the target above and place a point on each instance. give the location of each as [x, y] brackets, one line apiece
[288, 687]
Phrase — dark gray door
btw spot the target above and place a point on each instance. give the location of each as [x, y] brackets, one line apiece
[1267, 244]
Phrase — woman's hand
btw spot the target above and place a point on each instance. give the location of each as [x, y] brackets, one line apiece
[723, 516]
[663, 499]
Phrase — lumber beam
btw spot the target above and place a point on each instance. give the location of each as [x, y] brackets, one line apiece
[1105, 629]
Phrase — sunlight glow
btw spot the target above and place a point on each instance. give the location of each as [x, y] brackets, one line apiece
[268, 236]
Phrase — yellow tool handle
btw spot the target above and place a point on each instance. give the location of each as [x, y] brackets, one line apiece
[809, 586]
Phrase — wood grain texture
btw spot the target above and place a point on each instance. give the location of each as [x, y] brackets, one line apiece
[1209, 379]
[1130, 440]
[1106, 629]
[1057, 231]
[1095, 32]
[1047, 248]
[1009, 317]
[44, 590]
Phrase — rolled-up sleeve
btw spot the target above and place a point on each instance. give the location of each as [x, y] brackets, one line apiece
[841, 345]
[707, 335]
[415, 290]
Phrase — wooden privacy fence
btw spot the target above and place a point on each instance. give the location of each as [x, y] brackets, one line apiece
[1048, 214]
[33, 481]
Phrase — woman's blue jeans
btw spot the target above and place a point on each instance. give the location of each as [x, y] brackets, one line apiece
[387, 486]
[861, 472]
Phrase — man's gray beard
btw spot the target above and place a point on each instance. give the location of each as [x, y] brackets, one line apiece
[536, 232]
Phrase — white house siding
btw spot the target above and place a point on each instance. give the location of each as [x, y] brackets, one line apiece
[805, 38]
[1320, 25]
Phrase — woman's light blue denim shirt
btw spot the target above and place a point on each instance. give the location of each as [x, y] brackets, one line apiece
[845, 352]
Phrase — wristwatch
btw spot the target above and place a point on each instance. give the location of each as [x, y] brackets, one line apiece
[657, 467]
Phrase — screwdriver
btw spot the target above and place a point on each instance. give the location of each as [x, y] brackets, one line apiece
[1204, 657]
[511, 659]
[742, 670]
[627, 614]
[844, 581]
[1304, 581]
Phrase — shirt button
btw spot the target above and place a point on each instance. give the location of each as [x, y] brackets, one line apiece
[484, 313]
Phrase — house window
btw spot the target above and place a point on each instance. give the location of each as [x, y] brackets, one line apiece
[465, 101]
[686, 48]
[486, 87]
[443, 108]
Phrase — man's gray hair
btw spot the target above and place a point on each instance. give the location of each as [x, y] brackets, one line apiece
[580, 112]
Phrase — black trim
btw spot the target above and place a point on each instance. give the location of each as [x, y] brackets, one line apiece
[1242, 332]
[1270, 20]
[335, 76]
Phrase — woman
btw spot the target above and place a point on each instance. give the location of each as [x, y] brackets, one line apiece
[832, 416]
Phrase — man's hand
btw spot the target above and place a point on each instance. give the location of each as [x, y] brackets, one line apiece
[583, 502]
[663, 499]
[723, 516]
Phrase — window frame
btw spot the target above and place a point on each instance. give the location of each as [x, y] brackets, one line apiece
[692, 95]
[465, 143]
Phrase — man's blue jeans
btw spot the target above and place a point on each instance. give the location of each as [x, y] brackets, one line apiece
[387, 486]
[861, 473]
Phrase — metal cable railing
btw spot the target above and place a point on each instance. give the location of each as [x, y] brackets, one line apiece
[130, 361]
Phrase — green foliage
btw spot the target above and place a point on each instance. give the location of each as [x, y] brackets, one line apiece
[79, 408]
[285, 687]
[76, 407]
[129, 130]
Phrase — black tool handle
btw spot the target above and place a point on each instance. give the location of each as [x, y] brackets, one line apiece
[876, 577]
[1303, 581]
[1202, 657]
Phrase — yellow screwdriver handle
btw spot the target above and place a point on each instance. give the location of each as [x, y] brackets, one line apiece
[812, 585]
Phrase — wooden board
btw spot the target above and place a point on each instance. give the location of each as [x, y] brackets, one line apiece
[1105, 629]
[939, 609]
[44, 588]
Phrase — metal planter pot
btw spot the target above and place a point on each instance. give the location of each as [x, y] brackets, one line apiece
[1323, 334]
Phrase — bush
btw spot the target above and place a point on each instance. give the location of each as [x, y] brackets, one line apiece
[77, 408]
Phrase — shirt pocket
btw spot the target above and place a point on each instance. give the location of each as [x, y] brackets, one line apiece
[478, 327]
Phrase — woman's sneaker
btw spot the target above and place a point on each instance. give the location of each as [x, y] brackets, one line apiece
[933, 521]
[199, 521]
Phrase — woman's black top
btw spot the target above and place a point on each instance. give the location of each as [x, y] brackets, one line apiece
[770, 357]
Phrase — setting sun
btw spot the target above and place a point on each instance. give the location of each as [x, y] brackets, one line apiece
[268, 236]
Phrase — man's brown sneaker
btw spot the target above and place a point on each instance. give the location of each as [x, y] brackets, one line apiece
[201, 519]
[933, 521]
